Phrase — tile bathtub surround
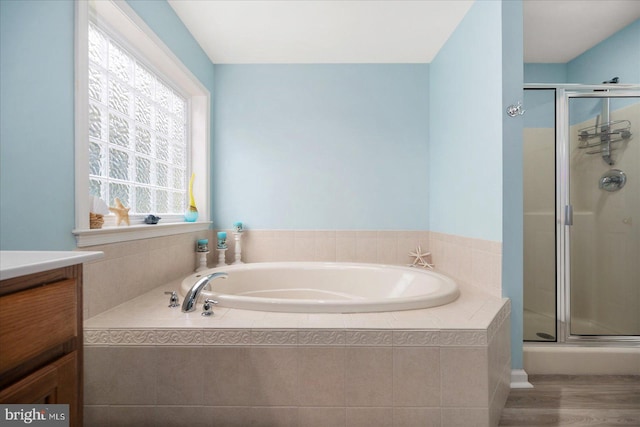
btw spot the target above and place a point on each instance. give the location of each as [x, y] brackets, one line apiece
[471, 261]
[382, 247]
[446, 364]
[130, 269]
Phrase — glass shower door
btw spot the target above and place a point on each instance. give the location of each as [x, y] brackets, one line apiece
[539, 224]
[604, 194]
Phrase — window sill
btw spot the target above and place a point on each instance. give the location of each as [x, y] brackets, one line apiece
[107, 235]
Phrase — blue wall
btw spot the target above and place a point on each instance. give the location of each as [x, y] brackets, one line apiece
[545, 73]
[321, 146]
[465, 136]
[512, 180]
[616, 56]
[36, 125]
[37, 115]
[475, 148]
[161, 18]
[540, 105]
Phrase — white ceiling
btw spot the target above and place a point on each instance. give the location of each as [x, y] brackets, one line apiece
[558, 31]
[384, 31]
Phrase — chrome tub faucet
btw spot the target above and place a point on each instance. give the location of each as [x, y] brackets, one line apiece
[189, 303]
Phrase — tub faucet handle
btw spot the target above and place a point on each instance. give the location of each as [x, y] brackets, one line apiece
[173, 299]
[207, 307]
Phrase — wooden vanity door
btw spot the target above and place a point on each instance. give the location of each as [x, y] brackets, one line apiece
[55, 383]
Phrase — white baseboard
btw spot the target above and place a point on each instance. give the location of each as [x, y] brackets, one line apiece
[520, 379]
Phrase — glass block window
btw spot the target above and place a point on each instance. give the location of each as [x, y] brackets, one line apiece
[137, 132]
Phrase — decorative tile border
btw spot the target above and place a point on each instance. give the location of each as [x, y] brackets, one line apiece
[246, 337]
[463, 338]
[503, 315]
[132, 336]
[96, 336]
[274, 337]
[227, 337]
[179, 336]
[370, 338]
[298, 337]
[322, 337]
[416, 338]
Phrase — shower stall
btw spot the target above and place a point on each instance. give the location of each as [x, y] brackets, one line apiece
[581, 149]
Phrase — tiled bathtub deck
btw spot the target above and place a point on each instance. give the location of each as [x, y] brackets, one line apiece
[146, 363]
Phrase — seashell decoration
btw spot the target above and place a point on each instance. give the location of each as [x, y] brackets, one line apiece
[97, 210]
[152, 219]
[122, 213]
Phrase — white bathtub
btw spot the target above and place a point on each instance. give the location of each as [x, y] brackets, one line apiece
[315, 287]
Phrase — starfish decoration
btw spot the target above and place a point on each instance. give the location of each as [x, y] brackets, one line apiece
[420, 258]
[122, 213]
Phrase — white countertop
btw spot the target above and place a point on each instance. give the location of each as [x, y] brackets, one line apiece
[20, 263]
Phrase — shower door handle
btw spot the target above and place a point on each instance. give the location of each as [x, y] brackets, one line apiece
[568, 215]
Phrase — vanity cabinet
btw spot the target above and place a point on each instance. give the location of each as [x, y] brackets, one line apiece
[41, 339]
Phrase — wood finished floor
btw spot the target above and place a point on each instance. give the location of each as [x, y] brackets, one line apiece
[568, 400]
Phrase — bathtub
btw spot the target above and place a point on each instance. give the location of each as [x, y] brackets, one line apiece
[315, 287]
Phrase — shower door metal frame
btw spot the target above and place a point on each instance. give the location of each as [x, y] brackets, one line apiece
[564, 214]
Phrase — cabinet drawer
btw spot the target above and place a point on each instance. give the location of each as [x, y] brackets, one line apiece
[35, 320]
[53, 384]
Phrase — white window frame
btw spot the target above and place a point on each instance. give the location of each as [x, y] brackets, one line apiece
[118, 15]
